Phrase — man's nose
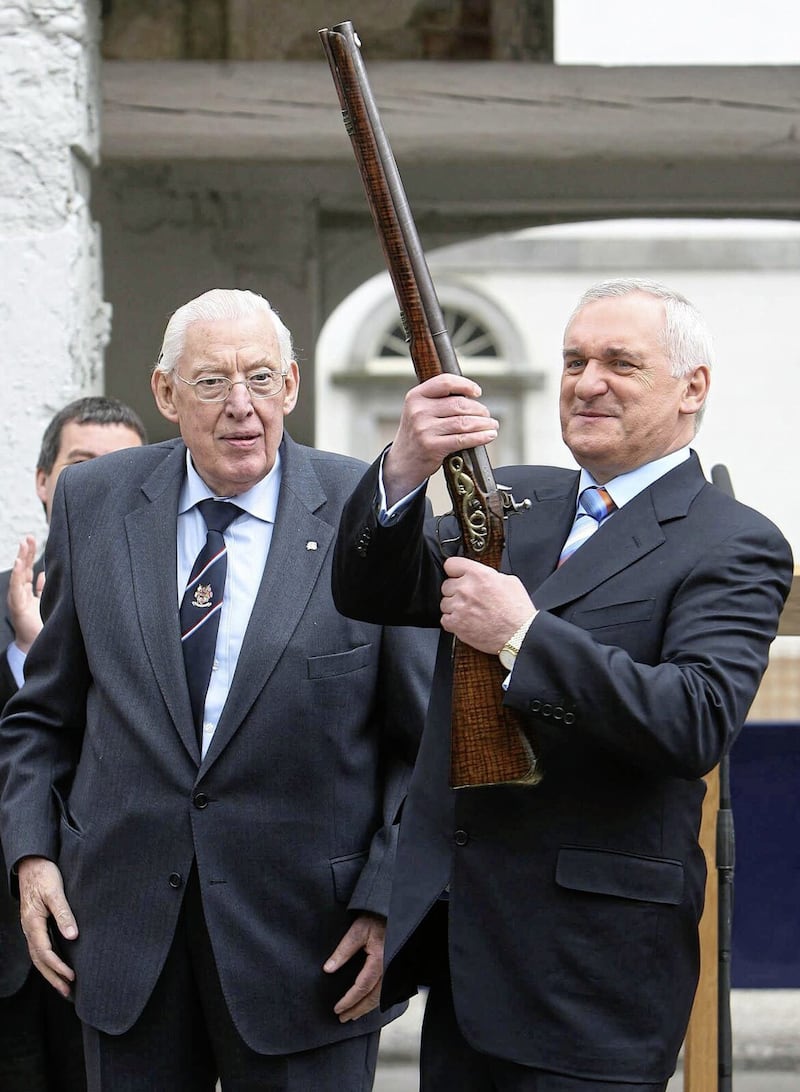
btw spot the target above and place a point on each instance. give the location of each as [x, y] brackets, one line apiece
[591, 381]
[239, 400]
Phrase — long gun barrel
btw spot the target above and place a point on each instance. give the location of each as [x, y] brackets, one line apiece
[489, 744]
[726, 860]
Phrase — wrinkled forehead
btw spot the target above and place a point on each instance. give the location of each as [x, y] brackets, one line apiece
[636, 321]
[230, 343]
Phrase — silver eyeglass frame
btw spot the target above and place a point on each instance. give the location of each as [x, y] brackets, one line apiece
[231, 384]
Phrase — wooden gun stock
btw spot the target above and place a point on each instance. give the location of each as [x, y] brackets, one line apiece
[489, 744]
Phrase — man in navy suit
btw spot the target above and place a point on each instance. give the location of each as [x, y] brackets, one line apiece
[40, 1036]
[211, 888]
[556, 924]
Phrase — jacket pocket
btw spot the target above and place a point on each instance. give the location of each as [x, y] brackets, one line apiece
[339, 663]
[615, 614]
[346, 871]
[67, 819]
[624, 875]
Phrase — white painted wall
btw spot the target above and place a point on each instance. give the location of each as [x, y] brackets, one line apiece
[53, 322]
[635, 32]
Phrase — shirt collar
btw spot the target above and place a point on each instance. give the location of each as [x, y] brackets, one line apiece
[626, 486]
[261, 500]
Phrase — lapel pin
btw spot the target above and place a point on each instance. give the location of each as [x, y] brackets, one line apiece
[311, 544]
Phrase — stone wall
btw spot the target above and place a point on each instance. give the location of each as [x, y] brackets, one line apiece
[53, 321]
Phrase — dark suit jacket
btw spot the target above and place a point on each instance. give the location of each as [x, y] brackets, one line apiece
[15, 962]
[573, 906]
[290, 816]
[8, 684]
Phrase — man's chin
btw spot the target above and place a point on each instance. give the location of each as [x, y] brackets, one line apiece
[239, 475]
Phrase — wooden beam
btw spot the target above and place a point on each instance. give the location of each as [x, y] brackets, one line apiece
[790, 619]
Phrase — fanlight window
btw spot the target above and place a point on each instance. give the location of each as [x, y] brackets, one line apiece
[469, 337]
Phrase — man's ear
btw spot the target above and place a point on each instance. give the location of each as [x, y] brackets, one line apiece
[291, 388]
[164, 394]
[41, 485]
[696, 390]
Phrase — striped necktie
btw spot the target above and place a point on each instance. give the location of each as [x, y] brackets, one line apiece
[593, 507]
[202, 603]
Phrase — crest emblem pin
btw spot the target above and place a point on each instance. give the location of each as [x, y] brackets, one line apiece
[203, 595]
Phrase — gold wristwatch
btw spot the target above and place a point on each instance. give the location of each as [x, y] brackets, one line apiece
[508, 653]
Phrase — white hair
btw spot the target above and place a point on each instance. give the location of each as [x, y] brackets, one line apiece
[219, 303]
[686, 339]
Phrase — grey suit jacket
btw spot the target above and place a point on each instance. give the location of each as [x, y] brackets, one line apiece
[573, 906]
[290, 815]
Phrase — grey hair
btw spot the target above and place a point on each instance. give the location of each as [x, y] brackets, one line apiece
[686, 338]
[219, 303]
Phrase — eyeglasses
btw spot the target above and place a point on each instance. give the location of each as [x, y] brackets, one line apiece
[264, 383]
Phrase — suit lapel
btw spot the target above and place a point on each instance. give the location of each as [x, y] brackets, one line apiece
[534, 537]
[300, 544]
[622, 540]
[152, 540]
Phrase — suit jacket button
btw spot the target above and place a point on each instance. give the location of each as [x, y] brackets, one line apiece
[175, 879]
[547, 709]
[200, 800]
[535, 706]
[569, 718]
[461, 837]
[558, 713]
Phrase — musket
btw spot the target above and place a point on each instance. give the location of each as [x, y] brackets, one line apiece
[726, 857]
[489, 743]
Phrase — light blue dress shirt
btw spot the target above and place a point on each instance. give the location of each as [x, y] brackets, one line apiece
[625, 487]
[248, 541]
[16, 661]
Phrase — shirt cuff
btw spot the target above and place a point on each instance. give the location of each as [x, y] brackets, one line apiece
[16, 661]
[507, 679]
[387, 516]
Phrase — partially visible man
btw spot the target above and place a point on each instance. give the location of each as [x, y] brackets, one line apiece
[211, 841]
[82, 430]
[40, 1035]
[557, 924]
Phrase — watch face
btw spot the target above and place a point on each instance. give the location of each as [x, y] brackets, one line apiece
[507, 657]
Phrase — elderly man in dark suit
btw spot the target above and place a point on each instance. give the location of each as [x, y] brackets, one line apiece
[40, 1036]
[207, 827]
[556, 924]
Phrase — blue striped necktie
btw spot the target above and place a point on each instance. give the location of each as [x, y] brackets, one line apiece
[202, 603]
[593, 507]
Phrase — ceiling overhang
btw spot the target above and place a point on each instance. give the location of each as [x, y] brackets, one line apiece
[453, 111]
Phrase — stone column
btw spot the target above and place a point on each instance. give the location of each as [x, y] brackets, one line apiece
[54, 324]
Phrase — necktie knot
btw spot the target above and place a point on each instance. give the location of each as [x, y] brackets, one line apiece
[597, 502]
[219, 515]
